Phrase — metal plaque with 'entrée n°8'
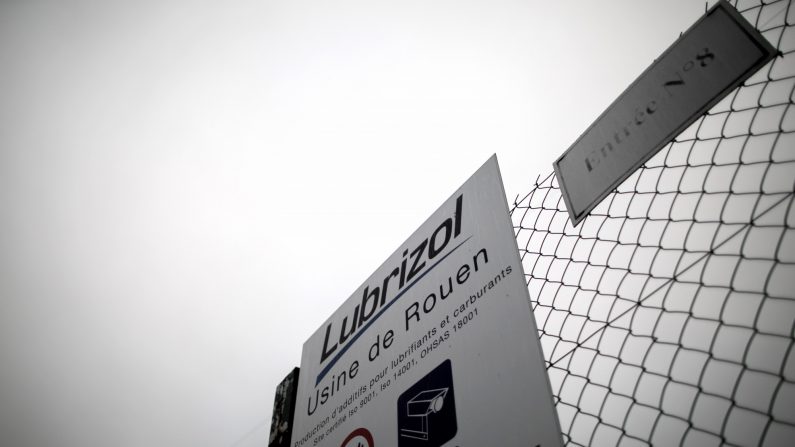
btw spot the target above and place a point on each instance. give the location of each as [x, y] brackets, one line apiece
[707, 62]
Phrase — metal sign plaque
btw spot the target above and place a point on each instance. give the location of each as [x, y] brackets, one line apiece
[438, 346]
[714, 56]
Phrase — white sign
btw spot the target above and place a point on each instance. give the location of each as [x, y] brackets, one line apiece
[714, 56]
[437, 347]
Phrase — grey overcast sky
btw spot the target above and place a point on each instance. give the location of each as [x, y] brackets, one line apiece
[188, 189]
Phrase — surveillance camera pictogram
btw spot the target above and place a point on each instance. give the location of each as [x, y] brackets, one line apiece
[426, 411]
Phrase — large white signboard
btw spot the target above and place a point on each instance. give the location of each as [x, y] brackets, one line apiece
[438, 347]
[712, 58]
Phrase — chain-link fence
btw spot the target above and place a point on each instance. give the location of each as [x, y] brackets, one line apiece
[667, 315]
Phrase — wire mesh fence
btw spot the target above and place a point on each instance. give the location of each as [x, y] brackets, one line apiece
[667, 317]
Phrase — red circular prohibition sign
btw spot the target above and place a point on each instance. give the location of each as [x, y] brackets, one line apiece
[363, 432]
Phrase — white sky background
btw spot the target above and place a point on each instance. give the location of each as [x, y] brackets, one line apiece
[188, 190]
